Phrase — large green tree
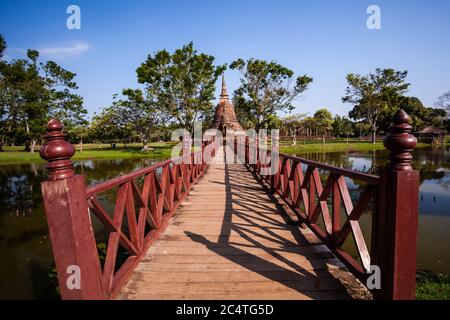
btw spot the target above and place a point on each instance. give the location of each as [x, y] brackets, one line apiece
[324, 122]
[422, 116]
[107, 127]
[2, 46]
[139, 114]
[5, 114]
[181, 84]
[292, 124]
[309, 126]
[266, 87]
[342, 127]
[31, 92]
[374, 95]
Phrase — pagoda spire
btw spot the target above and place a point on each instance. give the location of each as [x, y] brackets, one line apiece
[224, 115]
[224, 93]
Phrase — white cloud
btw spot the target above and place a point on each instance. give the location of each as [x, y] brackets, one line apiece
[73, 49]
[59, 52]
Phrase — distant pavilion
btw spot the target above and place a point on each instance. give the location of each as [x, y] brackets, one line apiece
[431, 135]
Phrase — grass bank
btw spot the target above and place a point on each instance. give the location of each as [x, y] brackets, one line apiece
[431, 286]
[13, 155]
[335, 147]
[16, 155]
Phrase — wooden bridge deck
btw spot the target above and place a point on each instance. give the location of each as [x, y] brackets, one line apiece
[230, 239]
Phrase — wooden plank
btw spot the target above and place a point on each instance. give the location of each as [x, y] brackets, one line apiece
[217, 287]
[238, 265]
[233, 276]
[262, 258]
[309, 239]
[267, 295]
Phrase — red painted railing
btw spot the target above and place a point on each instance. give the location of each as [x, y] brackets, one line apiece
[145, 211]
[393, 197]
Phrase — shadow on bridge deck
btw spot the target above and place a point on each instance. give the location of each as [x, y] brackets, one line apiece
[231, 239]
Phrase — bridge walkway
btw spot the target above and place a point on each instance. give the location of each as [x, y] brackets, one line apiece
[231, 239]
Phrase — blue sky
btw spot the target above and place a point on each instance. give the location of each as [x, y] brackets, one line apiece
[324, 39]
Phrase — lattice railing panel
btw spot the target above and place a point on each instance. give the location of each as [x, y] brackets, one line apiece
[143, 202]
[319, 195]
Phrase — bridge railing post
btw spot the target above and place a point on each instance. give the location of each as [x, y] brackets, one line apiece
[66, 208]
[396, 219]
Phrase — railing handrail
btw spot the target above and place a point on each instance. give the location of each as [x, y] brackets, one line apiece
[364, 177]
[111, 183]
[357, 175]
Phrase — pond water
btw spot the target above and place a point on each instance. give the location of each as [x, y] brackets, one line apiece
[26, 260]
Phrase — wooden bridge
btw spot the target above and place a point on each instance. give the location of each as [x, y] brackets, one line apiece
[271, 226]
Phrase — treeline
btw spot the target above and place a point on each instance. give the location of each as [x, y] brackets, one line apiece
[31, 92]
[323, 123]
[375, 98]
[177, 89]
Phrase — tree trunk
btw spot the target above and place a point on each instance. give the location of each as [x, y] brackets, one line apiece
[374, 134]
[33, 145]
[323, 139]
[27, 140]
[145, 143]
[81, 144]
[27, 145]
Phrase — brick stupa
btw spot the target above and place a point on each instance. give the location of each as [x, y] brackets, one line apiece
[225, 117]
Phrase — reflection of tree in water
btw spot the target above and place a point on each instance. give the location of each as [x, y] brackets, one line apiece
[430, 172]
[17, 193]
[20, 184]
[17, 189]
[337, 159]
[438, 157]
[101, 170]
[429, 162]
[432, 164]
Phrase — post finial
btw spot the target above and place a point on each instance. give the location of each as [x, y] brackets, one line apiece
[400, 142]
[57, 151]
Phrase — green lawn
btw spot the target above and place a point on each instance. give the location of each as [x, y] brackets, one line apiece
[16, 154]
[13, 155]
[334, 147]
